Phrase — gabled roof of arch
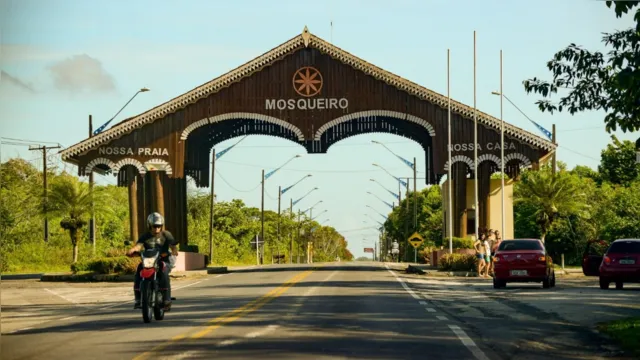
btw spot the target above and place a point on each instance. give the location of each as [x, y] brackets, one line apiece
[305, 39]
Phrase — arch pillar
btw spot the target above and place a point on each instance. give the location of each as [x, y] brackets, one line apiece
[168, 196]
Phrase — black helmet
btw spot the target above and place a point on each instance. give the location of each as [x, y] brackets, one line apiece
[155, 219]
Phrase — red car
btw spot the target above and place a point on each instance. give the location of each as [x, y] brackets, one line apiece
[621, 263]
[592, 257]
[523, 260]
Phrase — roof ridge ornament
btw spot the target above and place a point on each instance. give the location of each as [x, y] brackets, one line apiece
[306, 36]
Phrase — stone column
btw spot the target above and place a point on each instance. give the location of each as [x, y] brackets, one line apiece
[159, 193]
[132, 179]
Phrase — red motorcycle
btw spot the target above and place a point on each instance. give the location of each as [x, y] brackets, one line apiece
[152, 298]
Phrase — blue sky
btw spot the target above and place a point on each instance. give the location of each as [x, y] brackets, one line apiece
[63, 60]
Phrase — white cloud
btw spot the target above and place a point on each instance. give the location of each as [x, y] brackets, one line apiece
[81, 73]
[11, 54]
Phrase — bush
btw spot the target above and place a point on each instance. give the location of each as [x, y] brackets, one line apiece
[457, 262]
[107, 265]
[458, 243]
[424, 255]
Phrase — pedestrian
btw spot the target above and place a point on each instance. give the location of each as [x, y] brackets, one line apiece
[481, 252]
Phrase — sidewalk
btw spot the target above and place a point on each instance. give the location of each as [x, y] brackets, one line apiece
[428, 270]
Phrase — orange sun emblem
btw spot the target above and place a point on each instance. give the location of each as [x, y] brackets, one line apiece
[307, 81]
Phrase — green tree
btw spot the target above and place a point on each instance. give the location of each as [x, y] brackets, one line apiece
[551, 197]
[399, 223]
[597, 81]
[73, 201]
[618, 162]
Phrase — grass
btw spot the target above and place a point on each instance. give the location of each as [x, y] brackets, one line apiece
[626, 332]
[37, 268]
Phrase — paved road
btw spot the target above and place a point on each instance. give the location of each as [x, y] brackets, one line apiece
[333, 311]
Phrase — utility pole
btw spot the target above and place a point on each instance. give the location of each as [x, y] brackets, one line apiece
[553, 159]
[44, 149]
[299, 228]
[262, 215]
[290, 232]
[92, 221]
[213, 199]
[406, 221]
[415, 197]
[279, 199]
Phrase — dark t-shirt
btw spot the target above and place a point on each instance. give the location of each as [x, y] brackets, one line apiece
[160, 241]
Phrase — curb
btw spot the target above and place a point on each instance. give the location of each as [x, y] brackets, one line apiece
[217, 270]
[124, 277]
[21, 276]
[86, 278]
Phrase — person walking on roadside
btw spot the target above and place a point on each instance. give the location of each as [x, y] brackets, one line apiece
[491, 238]
[494, 246]
[481, 252]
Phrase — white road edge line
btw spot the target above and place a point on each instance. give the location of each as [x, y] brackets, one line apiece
[64, 298]
[440, 317]
[466, 341]
[431, 310]
[422, 302]
[411, 292]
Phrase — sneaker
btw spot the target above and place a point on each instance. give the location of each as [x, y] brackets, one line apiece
[136, 305]
[167, 306]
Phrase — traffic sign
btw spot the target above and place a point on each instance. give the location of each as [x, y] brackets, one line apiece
[415, 240]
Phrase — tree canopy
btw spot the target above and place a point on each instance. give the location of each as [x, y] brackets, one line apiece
[593, 80]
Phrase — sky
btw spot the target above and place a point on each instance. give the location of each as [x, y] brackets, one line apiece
[62, 60]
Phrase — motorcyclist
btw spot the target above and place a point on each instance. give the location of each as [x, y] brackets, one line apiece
[165, 242]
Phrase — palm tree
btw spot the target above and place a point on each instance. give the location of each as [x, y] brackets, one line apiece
[551, 196]
[73, 200]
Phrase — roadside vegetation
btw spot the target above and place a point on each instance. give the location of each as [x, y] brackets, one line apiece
[23, 249]
[626, 332]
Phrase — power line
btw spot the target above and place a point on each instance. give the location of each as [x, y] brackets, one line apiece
[30, 141]
[581, 129]
[307, 170]
[338, 145]
[577, 153]
[233, 187]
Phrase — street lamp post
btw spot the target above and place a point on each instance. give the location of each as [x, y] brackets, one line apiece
[377, 197]
[389, 191]
[280, 192]
[101, 128]
[405, 184]
[300, 214]
[133, 215]
[265, 177]
[215, 156]
[415, 188]
[310, 210]
[549, 135]
[322, 212]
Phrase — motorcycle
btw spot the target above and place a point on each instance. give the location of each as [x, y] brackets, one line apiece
[152, 298]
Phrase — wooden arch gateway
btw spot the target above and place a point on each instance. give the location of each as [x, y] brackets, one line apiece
[310, 92]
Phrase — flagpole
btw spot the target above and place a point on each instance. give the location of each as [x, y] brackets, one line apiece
[449, 151]
[475, 140]
[502, 147]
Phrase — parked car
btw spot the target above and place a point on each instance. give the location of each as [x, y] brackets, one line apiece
[621, 263]
[523, 260]
[592, 257]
